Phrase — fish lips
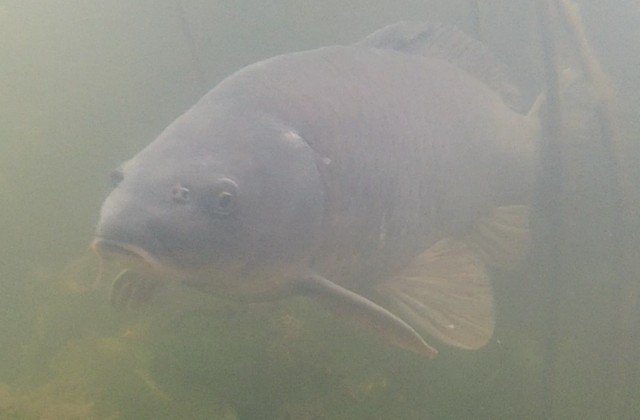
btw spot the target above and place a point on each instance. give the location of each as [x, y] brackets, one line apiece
[140, 275]
[132, 256]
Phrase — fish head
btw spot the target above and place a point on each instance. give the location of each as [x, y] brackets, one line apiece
[226, 203]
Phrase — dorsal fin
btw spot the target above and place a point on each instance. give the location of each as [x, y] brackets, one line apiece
[449, 43]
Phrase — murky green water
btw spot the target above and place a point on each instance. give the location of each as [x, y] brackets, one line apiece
[86, 84]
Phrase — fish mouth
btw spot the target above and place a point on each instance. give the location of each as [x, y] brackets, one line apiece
[140, 274]
[129, 255]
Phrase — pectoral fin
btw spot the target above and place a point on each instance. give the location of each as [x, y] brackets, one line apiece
[131, 289]
[365, 312]
[446, 293]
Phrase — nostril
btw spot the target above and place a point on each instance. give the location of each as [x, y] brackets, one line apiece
[180, 194]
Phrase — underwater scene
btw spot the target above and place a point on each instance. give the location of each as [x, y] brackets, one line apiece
[416, 210]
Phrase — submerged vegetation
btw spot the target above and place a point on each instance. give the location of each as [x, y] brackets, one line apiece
[199, 358]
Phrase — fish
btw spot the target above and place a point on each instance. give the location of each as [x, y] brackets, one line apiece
[383, 179]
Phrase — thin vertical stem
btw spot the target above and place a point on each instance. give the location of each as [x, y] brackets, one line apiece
[476, 19]
[196, 63]
[549, 193]
[622, 375]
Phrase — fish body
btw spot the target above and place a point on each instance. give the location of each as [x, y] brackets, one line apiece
[374, 179]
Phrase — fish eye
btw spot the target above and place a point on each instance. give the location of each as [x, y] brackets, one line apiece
[180, 194]
[224, 197]
[225, 200]
[116, 177]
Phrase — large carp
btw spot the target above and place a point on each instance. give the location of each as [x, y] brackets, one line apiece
[381, 178]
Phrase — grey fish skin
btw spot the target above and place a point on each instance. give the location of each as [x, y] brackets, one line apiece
[345, 162]
[416, 148]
